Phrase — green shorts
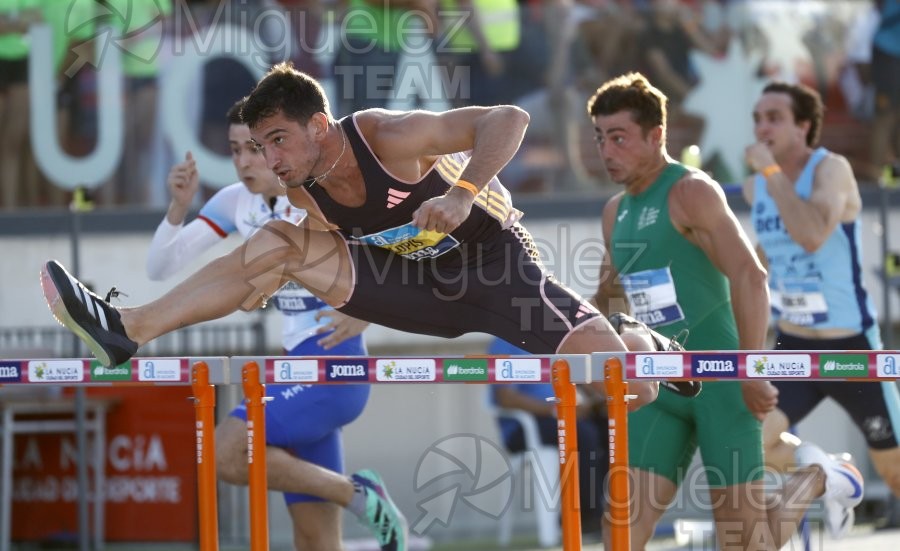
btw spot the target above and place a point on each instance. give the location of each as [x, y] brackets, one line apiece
[663, 435]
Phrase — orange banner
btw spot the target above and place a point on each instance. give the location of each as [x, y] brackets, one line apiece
[150, 468]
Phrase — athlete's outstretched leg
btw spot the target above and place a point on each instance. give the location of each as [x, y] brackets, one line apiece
[243, 279]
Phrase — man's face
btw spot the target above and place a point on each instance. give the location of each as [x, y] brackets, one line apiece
[625, 150]
[290, 149]
[774, 124]
[249, 161]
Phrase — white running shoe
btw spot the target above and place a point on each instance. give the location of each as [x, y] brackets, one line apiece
[843, 487]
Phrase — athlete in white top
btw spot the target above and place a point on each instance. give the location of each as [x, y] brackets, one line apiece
[297, 451]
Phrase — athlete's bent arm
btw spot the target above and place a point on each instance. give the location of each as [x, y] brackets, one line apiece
[492, 134]
[175, 244]
[811, 221]
[698, 208]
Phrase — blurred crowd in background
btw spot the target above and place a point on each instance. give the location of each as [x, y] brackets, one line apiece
[711, 57]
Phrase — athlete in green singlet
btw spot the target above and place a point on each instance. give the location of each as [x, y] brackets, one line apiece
[678, 258]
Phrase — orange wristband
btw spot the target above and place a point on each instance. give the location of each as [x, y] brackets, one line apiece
[770, 170]
[468, 186]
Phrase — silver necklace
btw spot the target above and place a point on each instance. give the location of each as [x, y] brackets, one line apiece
[320, 177]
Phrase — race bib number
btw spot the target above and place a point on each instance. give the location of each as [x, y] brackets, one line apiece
[800, 302]
[652, 297]
[411, 242]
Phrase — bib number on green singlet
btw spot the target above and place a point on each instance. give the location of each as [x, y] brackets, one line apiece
[651, 294]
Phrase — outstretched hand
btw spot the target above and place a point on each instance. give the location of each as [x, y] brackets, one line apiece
[344, 327]
[445, 213]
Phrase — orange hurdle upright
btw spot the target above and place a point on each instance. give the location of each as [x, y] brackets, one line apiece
[617, 406]
[567, 419]
[255, 396]
[205, 422]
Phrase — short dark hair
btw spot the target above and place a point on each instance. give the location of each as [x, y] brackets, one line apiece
[806, 104]
[234, 112]
[631, 92]
[288, 91]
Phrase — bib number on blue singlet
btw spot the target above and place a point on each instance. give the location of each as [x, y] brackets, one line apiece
[651, 294]
[799, 301]
[411, 242]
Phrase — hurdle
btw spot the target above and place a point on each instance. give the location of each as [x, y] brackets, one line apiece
[254, 373]
[563, 371]
[723, 365]
[204, 423]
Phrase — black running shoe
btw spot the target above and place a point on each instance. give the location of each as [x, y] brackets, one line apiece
[87, 315]
[622, 322]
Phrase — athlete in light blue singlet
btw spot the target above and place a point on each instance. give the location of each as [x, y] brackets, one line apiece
[819, 289]
[806, 212]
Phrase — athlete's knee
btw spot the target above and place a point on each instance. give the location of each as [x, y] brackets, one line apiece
[266, 260]
[230, 466]
[278, 240]
[775, 431]
[231, 452]
[637, 342]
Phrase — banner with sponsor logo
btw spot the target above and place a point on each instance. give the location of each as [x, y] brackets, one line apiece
[843, 365]
[714, 365]
[151, 483]
[518, 370]
[777, 365]
[465, 369]
[887, 365]
[406, 370]
[347, 369]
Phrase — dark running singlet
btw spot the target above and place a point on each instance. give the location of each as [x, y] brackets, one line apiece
[485, 276]
[384, 219]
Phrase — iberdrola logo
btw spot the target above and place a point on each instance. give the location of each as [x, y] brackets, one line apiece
[121, 372]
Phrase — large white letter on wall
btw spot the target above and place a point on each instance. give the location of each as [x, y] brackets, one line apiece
[62, 169]
[184, 80]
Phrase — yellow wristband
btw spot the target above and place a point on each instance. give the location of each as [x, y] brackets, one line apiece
[770, 170]
[468, 186]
